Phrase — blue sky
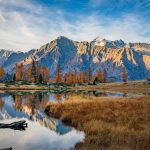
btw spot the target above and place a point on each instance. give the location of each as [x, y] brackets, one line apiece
[27, 24]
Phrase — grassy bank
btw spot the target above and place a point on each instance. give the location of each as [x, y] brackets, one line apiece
[109, 123]
[129, 87]
[21, 86]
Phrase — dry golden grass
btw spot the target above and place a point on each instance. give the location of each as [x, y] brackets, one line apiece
[109, 123]
[129, 87]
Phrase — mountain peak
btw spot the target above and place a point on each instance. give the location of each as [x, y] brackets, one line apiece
[100, 41]
[99, 38]
[62, 38]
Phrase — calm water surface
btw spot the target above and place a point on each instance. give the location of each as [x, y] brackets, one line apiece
[43, 132]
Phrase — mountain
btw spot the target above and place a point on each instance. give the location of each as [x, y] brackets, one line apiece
[109, 44]
[97, 54]
[8, 58]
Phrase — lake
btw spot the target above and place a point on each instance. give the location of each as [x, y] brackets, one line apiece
[43, 132]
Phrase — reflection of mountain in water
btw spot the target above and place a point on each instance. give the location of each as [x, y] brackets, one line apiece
[23, 107]
[51, 123]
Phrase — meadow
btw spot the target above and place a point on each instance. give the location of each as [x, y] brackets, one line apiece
[110, 123]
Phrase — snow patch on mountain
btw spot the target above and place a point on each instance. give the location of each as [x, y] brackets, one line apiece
[109, 44]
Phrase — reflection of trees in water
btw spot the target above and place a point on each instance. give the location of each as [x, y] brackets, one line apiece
[30, 102]
[18, 102]
[45, 101]
[86, 94]
[40, 96]
[99, 94]
[2, 103]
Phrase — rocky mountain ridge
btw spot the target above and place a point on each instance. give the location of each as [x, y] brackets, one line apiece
[97, 54]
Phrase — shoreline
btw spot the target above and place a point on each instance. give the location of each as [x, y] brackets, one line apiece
[128, 87]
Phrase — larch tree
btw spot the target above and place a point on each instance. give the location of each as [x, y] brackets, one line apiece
[2, 73]
[75, 76]
[34, 74]
[89, 75]
[124, 75]
[65, 78]
[99, 76]
[47, 74]
[2, 103]
[58, 74]
[82, 77]
[27, 73]
[70, 77]
[19, 72]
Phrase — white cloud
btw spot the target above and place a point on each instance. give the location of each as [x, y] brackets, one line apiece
[95, 3]
[36, 25]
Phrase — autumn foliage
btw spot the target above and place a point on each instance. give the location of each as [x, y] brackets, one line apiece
[2, 73]
[58, 74]
[32, 73]
[19, 72]
[41, 74]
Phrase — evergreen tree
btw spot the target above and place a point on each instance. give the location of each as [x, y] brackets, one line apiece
[95, 81]
[34, 71]
[40, 78]
[14, 77]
